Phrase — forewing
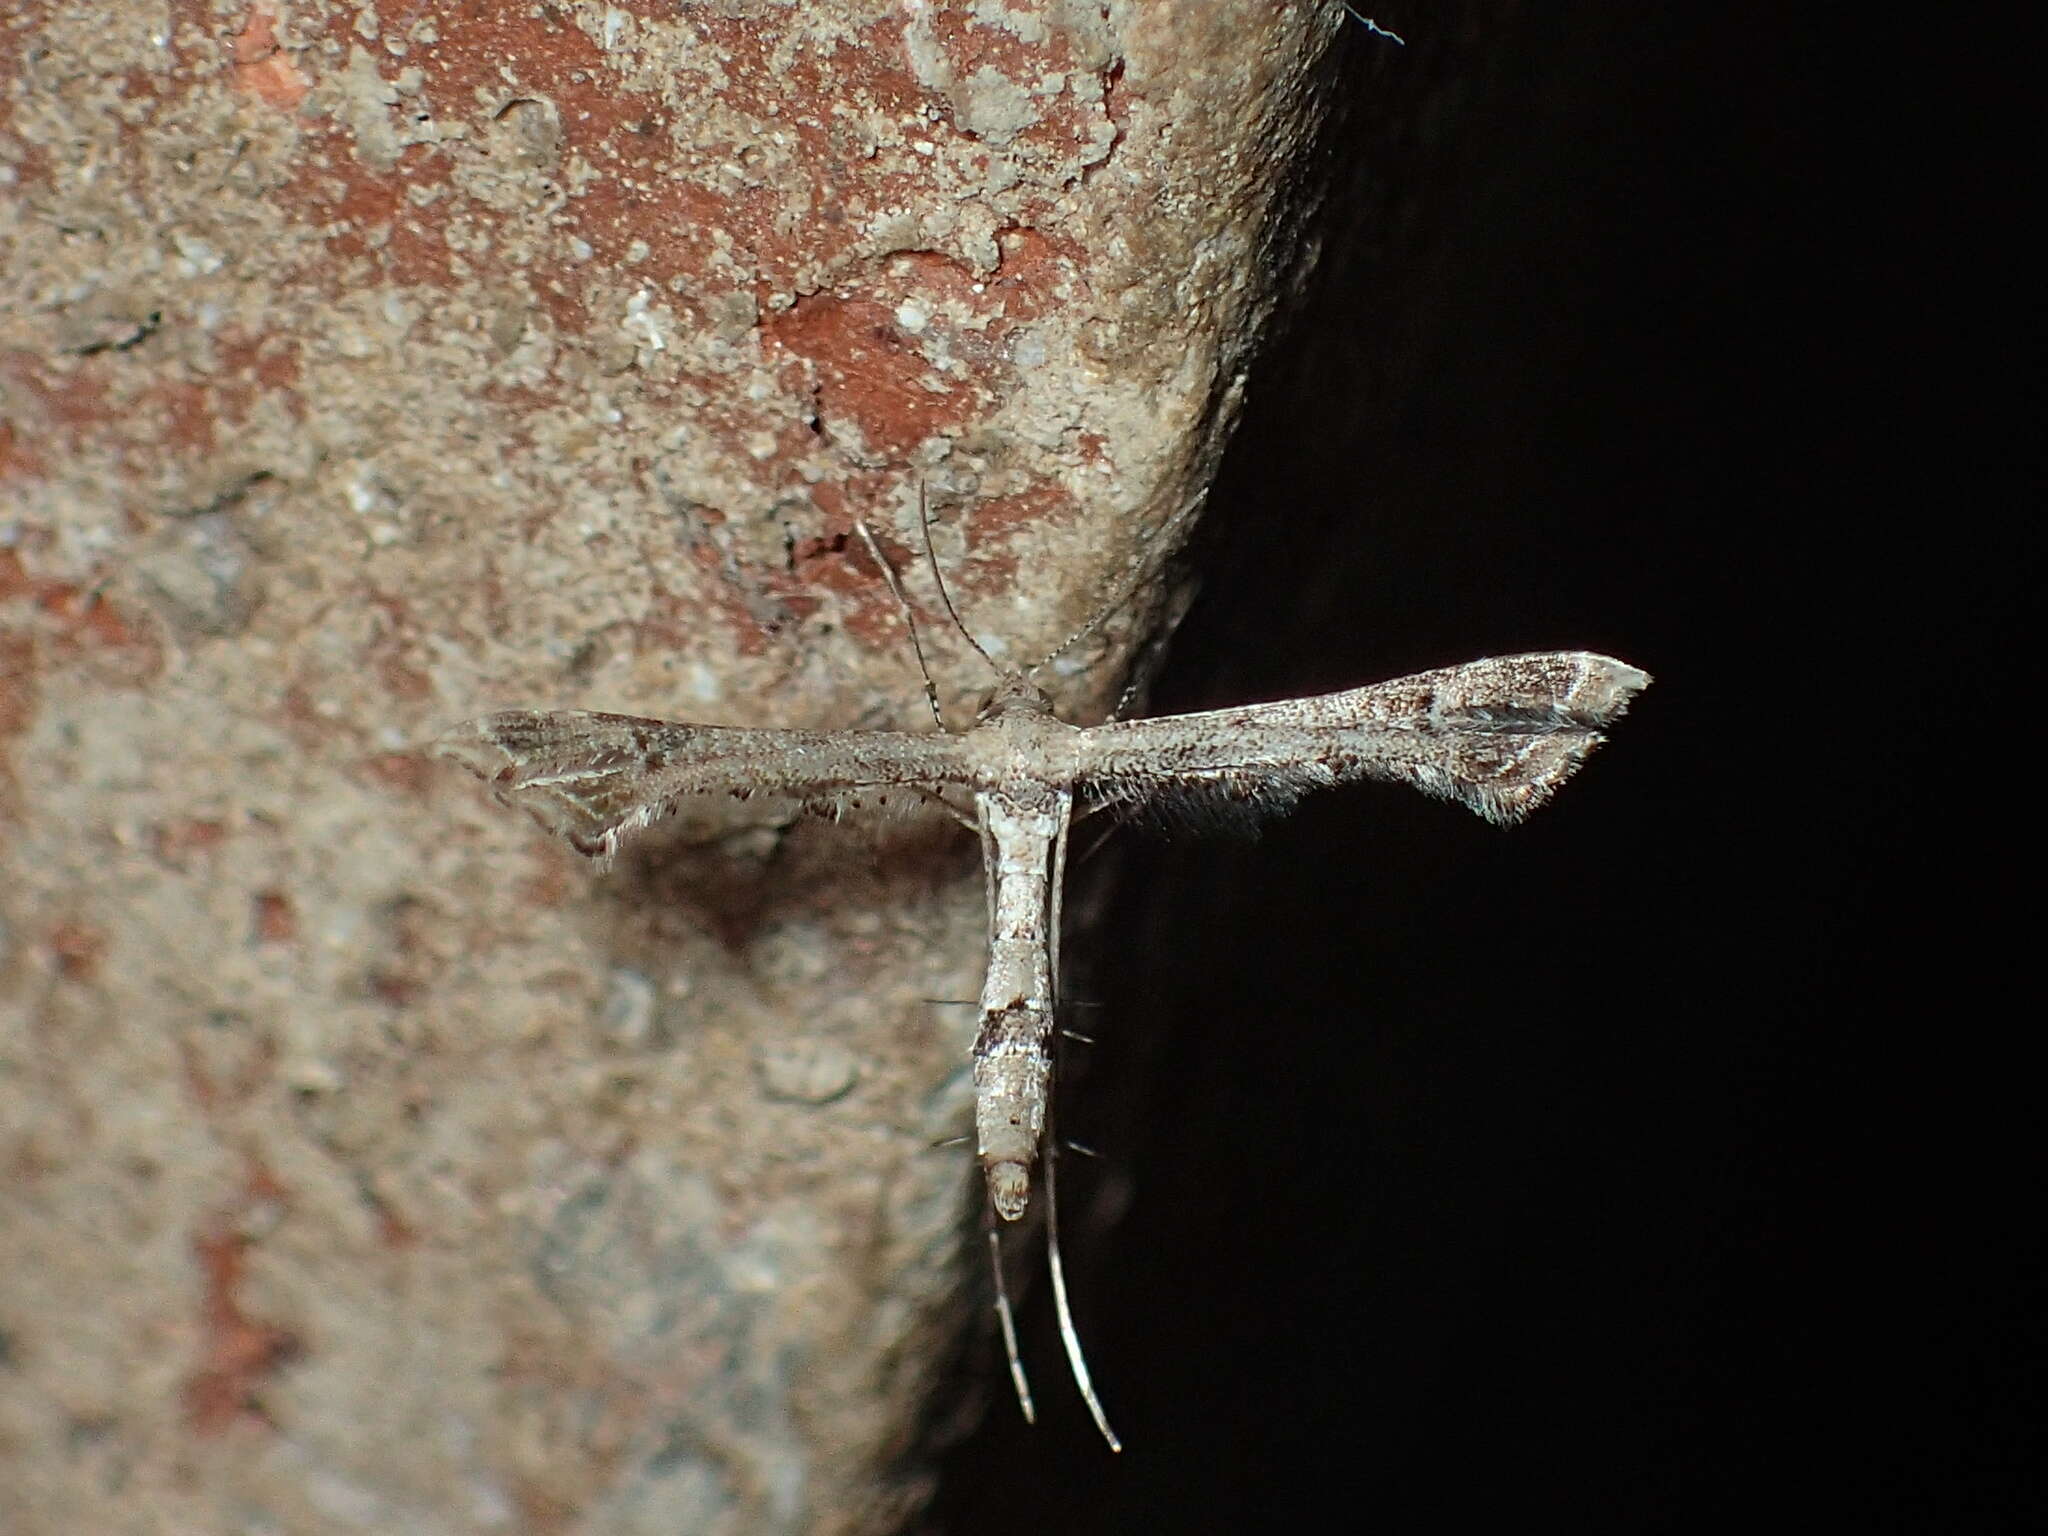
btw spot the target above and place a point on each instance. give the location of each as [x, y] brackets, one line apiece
[592, 779]
[1497, 736]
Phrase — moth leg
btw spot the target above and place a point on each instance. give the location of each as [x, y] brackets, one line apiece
[1069, 1337]
[948, 807]
[1098, 839]
[1059, 882]
[1009, 1326]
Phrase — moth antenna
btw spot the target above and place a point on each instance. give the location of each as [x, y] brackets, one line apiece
[1141, 567]
[1372, 26]
[1129, 696]
[931, 692]
[1009, 1327]
[1068, 1337]
[924, 520]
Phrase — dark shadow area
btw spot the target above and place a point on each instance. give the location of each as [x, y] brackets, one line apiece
[1674, 1157]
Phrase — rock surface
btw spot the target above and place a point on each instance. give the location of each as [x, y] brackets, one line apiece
[369, 1163]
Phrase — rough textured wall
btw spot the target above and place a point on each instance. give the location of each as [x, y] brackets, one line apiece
[368, 1165]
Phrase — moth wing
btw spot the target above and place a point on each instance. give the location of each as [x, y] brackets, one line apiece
[1497, 736]
[592, 779]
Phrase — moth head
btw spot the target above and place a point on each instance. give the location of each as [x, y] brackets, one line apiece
[1016, 694]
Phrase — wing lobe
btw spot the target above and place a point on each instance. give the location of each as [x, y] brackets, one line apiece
[1498, 736]
[594, 779]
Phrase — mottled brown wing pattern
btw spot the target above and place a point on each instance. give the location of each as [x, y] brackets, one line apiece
[592, 779]
[1496, 736]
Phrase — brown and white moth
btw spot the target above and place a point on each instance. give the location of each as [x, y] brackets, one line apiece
[1497, 736]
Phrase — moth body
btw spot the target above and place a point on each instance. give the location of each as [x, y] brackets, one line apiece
[1497, 736]
[1021, 828]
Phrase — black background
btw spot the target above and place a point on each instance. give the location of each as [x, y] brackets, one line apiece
[1676, 1158]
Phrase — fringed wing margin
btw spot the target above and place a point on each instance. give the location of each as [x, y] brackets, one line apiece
[594, 779]
[1497, 736]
